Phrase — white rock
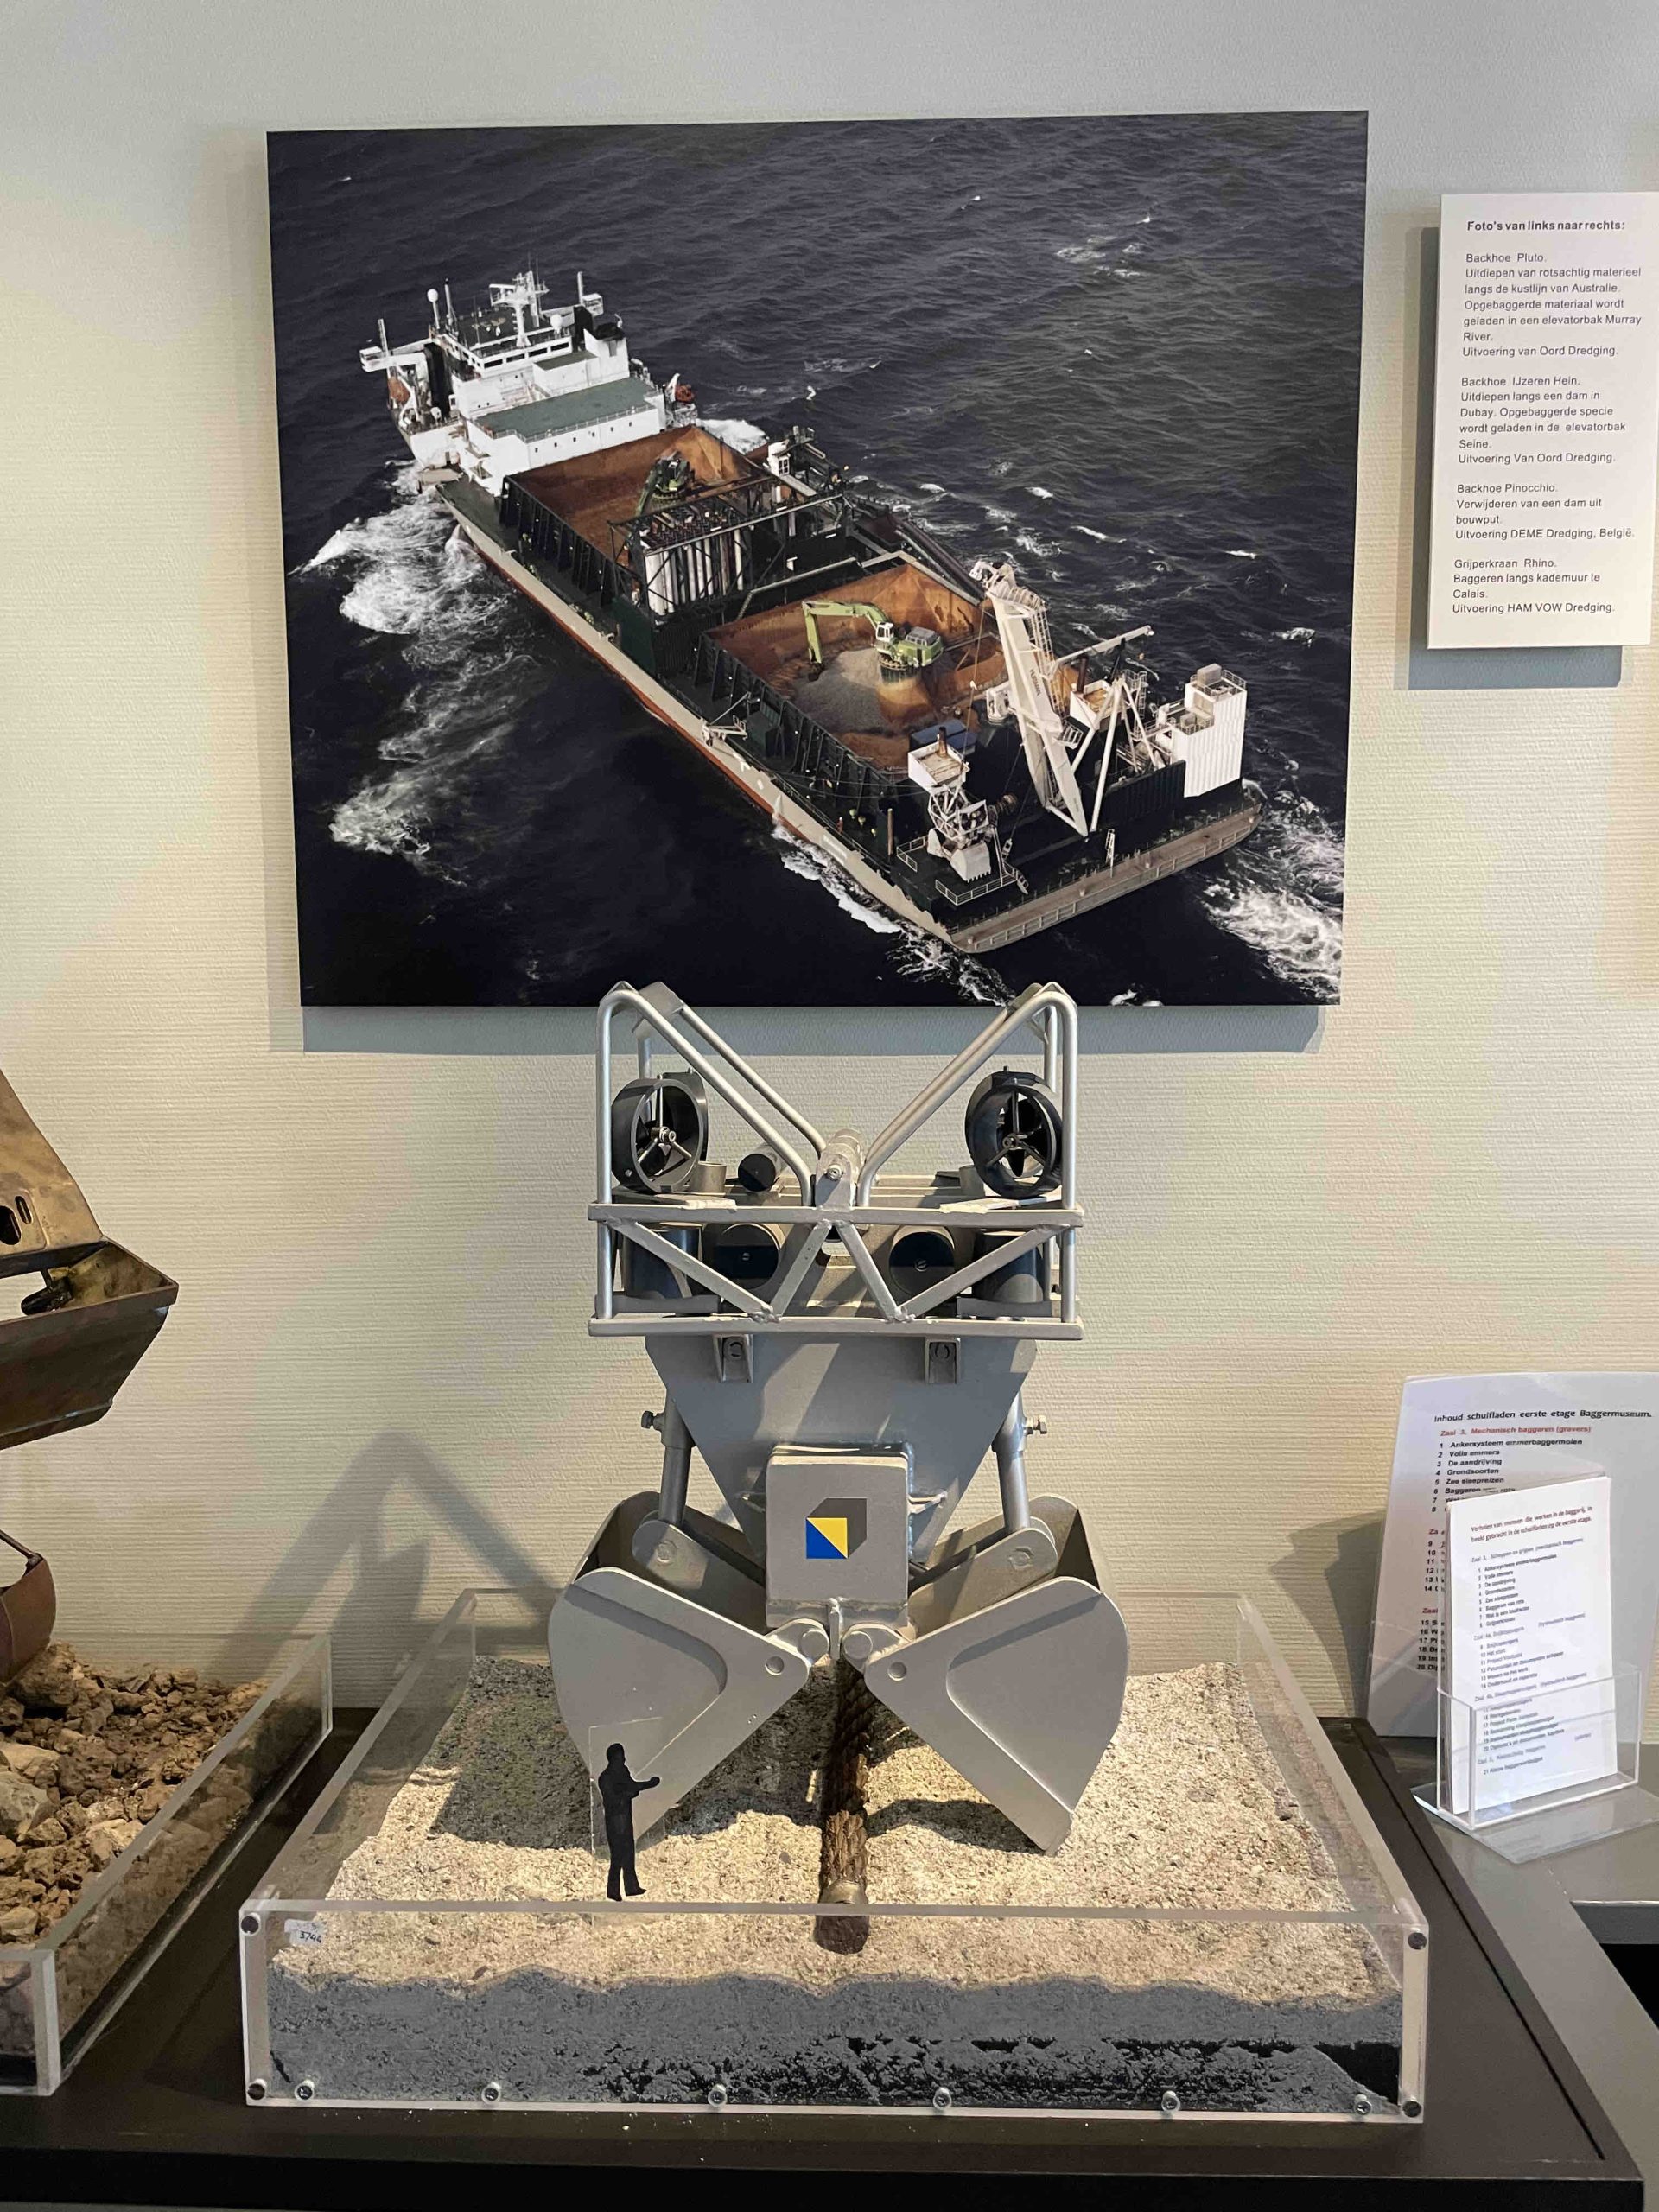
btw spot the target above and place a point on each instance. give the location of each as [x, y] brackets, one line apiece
[105, 1839]
[33, 1761]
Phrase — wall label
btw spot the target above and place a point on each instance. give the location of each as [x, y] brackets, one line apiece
[1546, 419]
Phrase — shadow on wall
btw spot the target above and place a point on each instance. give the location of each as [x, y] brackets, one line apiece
[1342, 1557]
[383, 1615]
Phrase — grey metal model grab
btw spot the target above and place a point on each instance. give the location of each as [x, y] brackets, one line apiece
[842, 1345]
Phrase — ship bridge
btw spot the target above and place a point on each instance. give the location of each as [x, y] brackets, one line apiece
[514, 384]
[516, 329]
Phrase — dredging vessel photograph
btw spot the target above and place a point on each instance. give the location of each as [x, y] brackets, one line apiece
[669, 620]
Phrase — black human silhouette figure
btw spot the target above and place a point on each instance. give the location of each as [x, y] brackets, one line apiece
[617, 1792]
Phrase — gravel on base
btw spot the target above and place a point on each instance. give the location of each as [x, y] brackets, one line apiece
[1187, 1814]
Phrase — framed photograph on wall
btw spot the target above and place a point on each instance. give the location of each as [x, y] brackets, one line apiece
[849, 564]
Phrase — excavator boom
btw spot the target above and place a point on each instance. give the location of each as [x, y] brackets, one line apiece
[669, 478]
[849, 610]
[899, 656]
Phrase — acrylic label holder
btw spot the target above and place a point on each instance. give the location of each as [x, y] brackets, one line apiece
[1478, 1745]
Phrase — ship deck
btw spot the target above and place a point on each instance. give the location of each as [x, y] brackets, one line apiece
[593, 490]
[848, 696]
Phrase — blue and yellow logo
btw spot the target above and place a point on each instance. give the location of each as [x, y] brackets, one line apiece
[835, 1528]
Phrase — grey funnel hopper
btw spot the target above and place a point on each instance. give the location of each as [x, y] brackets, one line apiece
[860, 1393]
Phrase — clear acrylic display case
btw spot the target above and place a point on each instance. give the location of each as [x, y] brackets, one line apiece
[57, 1991]
[360, 1999]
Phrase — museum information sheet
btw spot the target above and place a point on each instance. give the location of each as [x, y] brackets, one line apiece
[1466, 1436]
[1529, 1593]
[1546, 419]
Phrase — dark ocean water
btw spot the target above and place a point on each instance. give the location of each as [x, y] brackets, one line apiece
[1123, 353]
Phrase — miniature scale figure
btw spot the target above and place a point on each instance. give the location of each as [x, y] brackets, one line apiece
[842, 1351]
[617, 1791]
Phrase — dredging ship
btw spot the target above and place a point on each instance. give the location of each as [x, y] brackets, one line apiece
[900, 710]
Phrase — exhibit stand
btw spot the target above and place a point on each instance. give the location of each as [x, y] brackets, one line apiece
[158, 2113]
[678, 824]
[59, 1993]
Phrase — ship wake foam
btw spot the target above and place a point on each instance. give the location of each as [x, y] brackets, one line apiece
[918, 955]
[447, 737]
[734, 431]
[1280, 893]
[1097, 252]
[813, 867]
[409, 573]
[912, 951]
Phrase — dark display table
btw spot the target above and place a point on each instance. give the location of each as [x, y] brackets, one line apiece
[155, 2113]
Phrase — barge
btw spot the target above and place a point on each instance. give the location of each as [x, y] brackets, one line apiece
[903, 712]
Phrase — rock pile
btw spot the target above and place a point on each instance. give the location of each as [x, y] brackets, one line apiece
[86, 1758]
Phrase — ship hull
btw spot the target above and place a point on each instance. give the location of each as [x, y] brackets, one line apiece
[1045, 910]
[1131, 873]
[754, 783]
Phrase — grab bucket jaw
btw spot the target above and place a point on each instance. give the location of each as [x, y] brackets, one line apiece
[1021, 1694]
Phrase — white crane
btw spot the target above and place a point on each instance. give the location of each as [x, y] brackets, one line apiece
[1058, 740]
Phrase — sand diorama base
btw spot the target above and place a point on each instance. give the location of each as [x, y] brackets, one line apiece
[1142, 1958]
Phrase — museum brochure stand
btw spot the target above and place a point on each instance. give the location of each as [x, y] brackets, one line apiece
[1542, 1762]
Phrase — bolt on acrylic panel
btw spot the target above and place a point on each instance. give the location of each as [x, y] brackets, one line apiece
[888, 562]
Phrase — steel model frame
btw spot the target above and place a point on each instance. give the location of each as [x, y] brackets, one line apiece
[837, 1190]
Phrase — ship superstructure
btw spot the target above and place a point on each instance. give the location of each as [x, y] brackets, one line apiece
[901, 710]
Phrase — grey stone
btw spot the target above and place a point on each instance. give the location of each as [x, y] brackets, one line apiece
[34, 1762]
[18, 1923]
[21, 1804]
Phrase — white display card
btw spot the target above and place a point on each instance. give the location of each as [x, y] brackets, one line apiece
[1468, 1435]
[1530, 1704]
[1546, 419]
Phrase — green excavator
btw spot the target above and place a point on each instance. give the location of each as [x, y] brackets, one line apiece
[670, 478]
[897, 656]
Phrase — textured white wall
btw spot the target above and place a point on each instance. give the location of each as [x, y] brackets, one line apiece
[376, 1386]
